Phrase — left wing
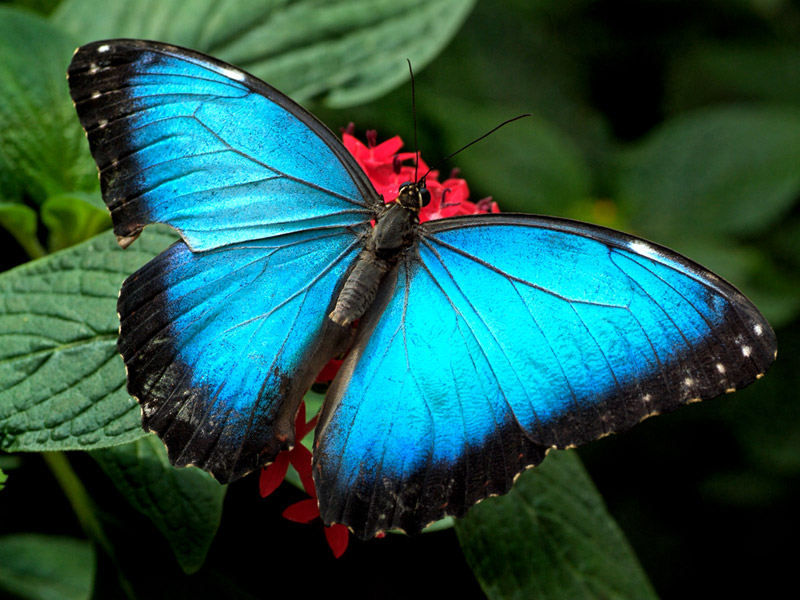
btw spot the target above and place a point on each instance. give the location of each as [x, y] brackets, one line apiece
[184, 139]
[505, 335]
[224, 332]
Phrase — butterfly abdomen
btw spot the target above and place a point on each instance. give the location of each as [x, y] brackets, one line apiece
[359, 288]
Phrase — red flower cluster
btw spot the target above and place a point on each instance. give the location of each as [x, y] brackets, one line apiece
[383, 164]
[299, 457]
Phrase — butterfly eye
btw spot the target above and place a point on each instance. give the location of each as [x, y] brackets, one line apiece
[424, 197]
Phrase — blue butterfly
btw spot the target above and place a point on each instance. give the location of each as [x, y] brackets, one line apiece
[481, 341]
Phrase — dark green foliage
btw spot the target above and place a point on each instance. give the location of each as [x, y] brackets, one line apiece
[551, 538]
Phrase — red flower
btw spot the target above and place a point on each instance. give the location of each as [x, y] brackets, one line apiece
[383, 164]
[304, 511]
[329, 371]
[299, 457]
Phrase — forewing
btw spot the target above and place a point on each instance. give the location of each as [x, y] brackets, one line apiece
[505, 335]
[184, 139]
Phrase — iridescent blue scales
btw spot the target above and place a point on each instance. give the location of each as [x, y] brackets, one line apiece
[491, 338]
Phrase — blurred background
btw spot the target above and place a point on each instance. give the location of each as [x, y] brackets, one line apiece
[678, 121]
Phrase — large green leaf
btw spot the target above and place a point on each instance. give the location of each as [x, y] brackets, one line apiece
[551, 538]
[717, 171]
[62, 384]
[349, 51]
[43, 567]
[43, 151]
[185, 504]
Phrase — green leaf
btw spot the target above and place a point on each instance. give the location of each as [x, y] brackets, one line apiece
[716, 171]
[38, 6]
[528, 166]
[348, 51]
[719, 72]
[539, 69]
[73, 218]
[42, 567]
[3, 479]
[62, 384]
[20, 220]
[43, 151]
[551, 538]
[185, 504]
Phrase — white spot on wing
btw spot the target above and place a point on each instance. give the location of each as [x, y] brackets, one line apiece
[758, 329]
[233, 74]
[643, 248]
[95, 95]
[103, 48]
[720, 367]
[746, 350]
[102, 123]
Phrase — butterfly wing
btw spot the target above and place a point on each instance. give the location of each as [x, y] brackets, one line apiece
[184, 139]
[224, 332]
[220, 346]
[505, 335]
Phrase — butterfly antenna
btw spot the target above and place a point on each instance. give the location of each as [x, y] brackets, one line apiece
[475, 141]
[414, 116]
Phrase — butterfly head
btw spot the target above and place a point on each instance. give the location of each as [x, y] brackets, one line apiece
[413, 196]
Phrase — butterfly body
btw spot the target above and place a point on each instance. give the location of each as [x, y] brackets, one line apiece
[393, 234]
[481, 342]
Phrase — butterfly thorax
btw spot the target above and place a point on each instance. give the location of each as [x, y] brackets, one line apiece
[394, 232]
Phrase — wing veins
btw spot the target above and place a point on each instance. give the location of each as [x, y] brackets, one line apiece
[346, 439]
[491, 267]
[711, 327]
[259, 398]
[556, 357]
[195, 305]
[286, 175]
[474, 336]
[303, 290]
[227, 147]
[295, 221]
[218, 390]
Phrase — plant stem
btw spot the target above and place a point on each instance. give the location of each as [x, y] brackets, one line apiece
[78, 498]
[83, 507]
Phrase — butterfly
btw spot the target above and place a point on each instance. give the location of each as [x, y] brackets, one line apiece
[476, 343]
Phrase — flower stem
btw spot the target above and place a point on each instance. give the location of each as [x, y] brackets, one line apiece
[83, 507]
